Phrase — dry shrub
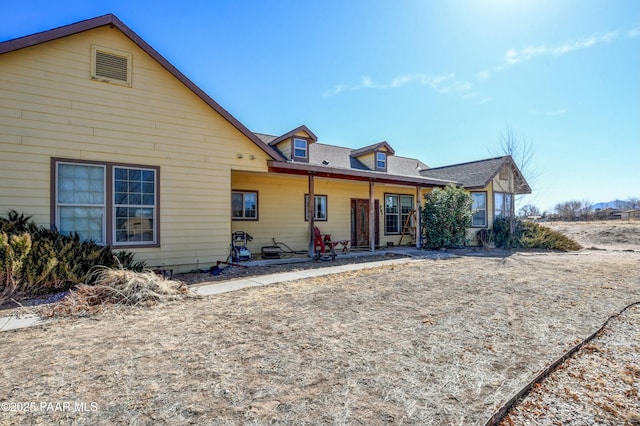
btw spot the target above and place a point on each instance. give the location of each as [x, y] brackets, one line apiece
[120, 287]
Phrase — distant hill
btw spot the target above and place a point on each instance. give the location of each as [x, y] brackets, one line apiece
[608, 205]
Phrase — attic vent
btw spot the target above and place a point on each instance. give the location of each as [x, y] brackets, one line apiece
[111, 66]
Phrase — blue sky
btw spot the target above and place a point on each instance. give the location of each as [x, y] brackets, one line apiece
[439, 80]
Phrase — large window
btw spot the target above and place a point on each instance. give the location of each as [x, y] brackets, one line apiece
[244, 205]
[479, 209]
[109, 204]
[319, 207]
[502, 204]
[397, 212]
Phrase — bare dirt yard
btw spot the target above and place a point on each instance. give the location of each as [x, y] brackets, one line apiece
[444, 341]
[603, 235]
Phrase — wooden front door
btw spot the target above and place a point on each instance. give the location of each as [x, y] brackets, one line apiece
[360, 222]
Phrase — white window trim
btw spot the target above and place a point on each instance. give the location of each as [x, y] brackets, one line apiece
[103, 205]
[305, 149]
[381, 157]
[473, 211]
[142, 206]
[243, 217]
[306, 208]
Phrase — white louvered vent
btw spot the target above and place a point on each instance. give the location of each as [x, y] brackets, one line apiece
[110, 66]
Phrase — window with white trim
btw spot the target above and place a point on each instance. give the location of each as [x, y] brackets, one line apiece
[134, 203]
[397, 210]
[381, 161]
[244, 205]
[319, 207]
[106, 203]
[300, 148]
[80, 200]
[479, 209]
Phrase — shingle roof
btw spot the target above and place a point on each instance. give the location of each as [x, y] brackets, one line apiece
[371, 148]
[477, 174]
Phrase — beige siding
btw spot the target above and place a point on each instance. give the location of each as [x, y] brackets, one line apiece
[281, 208]
[49, 107]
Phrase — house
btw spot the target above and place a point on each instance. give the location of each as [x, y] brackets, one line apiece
[631, 214]
[101, 135]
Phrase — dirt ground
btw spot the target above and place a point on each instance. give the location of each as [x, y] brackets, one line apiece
[430, 342]
[602, 235]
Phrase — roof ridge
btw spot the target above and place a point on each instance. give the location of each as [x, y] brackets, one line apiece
[469, 162]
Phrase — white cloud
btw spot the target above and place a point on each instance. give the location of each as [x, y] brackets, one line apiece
[442, 83]
[513, 56]
[483, 75]
[634, 32]
[484, 100]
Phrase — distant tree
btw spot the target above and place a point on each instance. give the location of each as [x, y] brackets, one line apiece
[568, 210]
[586, 210]
[632, 203]
[529, 210]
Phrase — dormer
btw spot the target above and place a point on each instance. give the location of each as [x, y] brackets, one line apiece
[375, 157]
[294, 145]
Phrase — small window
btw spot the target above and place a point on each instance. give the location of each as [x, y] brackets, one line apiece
[479, 209]
[244, 205]
[110, 66]
[300, 148]
[381, 161]
[319, 207]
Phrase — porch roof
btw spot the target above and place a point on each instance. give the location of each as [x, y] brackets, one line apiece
[330, 171]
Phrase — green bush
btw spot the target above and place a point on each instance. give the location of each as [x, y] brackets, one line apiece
[530, 235]
[35, 260]
[446, 216]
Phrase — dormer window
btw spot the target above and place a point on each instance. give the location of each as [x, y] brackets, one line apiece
[300, 149]
[381, 161]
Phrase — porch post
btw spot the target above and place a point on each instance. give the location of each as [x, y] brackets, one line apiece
[310, 211]
[372, 217]
[418, 218]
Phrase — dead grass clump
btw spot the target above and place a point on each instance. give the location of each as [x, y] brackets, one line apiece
[120, 287]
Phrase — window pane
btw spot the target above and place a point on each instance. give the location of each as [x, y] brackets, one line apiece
[479, 200]
[236, 204]
[381, 160]
[321, 207]
[134, 224]
[478, 218]
[391, 219]
[86, 221]
[299, 147]
[80, 184]
[250, 205]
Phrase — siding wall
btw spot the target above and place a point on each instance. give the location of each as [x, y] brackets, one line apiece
[49, 107]
[281, 208]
